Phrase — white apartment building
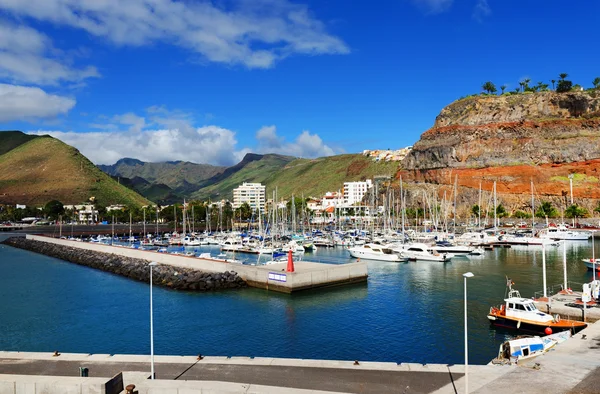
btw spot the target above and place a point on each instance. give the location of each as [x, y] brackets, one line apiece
[252, 193]
[355, 191]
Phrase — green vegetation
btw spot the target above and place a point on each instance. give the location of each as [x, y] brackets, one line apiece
[575, 211]
[561, 85]
[250, 171]
[577, 178]
[546, 210]
[521, 214]
[489, 87]
[9, 140]
[314, 177]
[179, 176]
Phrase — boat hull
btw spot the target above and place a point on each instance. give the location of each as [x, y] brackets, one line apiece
[533, 327]
[379, 257]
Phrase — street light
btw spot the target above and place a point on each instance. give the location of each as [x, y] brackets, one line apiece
[152, 264]
[466, 275]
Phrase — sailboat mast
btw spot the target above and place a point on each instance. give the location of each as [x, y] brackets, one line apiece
[455, 190]
[479, 206]
[532, 210]
[495, 208]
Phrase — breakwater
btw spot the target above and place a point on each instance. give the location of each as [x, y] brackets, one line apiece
[177, 278]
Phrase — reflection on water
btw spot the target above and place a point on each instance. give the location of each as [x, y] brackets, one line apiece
[407, 312]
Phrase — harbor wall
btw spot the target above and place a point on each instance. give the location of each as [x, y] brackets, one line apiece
[272, 277]
[134, 267]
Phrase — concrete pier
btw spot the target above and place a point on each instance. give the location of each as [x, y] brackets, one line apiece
[563, 304]
[274, 277]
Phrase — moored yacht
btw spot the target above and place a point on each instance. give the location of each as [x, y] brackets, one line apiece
[420, 251]
[375, 252]
[563, 233]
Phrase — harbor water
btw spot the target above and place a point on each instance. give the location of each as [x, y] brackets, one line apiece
[406, 312]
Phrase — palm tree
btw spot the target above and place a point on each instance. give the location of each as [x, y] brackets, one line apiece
[526, 82]
[503, 87]
[563, 76]
[489, 87]
[596, 82]
[553, 82]
[522, 84]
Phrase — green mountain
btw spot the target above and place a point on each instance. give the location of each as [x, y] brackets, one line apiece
[253, 168]
[182, 177]
[38, 169]
[314, 177]
[157, 192]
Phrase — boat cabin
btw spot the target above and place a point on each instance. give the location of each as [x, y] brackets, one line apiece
[525, 309]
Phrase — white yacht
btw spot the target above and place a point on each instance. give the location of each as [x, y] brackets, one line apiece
[563, 233]
[420, 251]
[231, 245]
[375, 252]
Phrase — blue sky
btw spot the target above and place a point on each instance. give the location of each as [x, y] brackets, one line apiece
[210, 81]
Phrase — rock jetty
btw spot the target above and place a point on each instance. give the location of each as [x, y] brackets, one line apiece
[163, 275]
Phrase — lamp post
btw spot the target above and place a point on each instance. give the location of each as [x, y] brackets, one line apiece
[466, 275]
[152, 264]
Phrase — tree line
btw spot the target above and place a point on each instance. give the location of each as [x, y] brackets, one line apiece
[561, 85]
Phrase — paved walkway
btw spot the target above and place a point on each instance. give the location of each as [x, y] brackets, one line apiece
[329, 376]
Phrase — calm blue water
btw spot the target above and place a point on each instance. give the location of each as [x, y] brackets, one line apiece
[410, 312]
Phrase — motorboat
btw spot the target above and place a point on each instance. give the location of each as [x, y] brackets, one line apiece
[563, 233]
[231, 245]
[190, 241]
[476, 238]
[522, 314]
[446, 247]
[375, 252]
[420, 251]
[523, 348]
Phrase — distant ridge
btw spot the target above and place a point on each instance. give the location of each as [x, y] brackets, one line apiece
[11, 139]
[182, 177]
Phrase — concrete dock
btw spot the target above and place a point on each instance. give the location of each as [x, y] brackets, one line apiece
[569, 306]
[307, 275]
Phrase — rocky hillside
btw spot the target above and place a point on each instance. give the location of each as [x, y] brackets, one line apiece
[513, 139]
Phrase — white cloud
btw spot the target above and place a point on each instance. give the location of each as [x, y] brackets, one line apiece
[482, 9]
[255, 33]
[305, 145]
[22, 102]
[180, 141]
[27, 56]
[433, 6]
[208, 144]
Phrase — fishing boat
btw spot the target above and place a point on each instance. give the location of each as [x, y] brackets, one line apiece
[523, 348]
[375, 252]
[522, 314]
